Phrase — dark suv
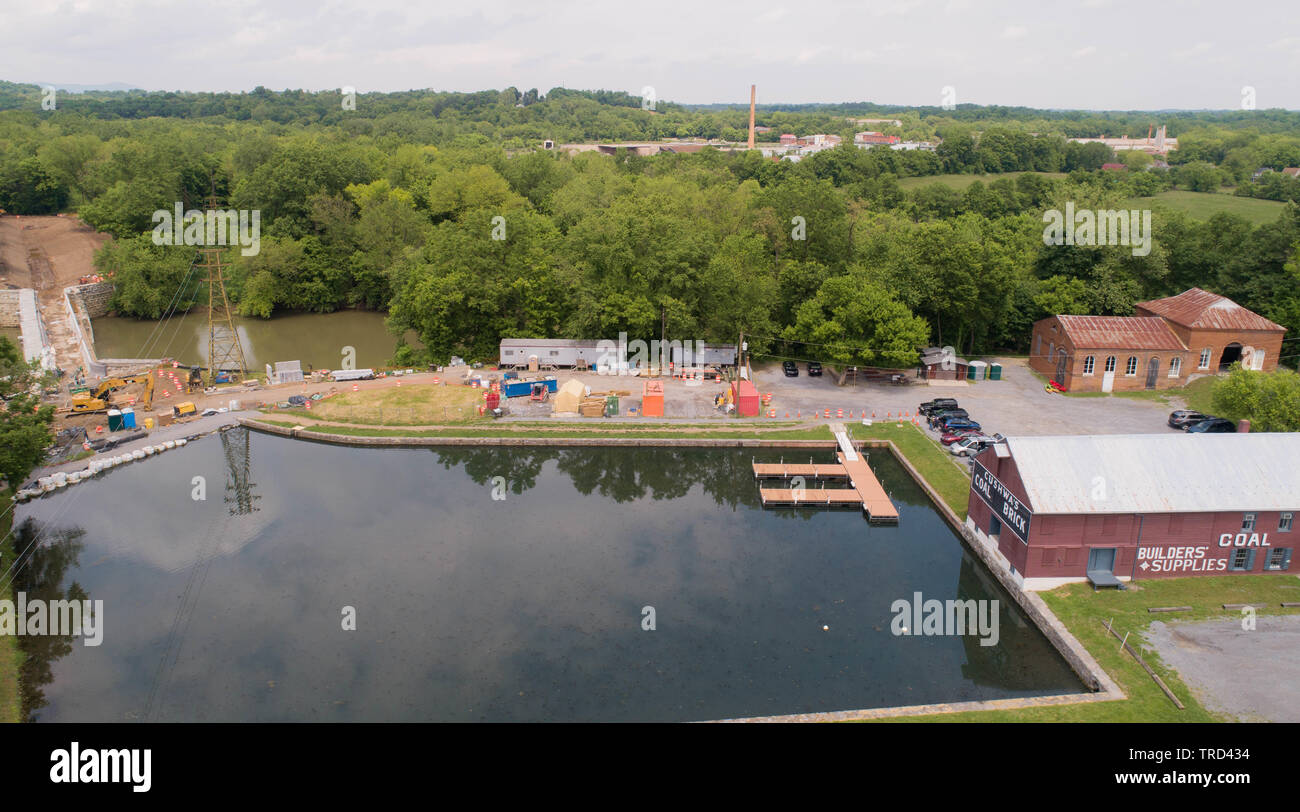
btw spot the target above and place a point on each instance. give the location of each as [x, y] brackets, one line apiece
[789, 368]
[1213, 425]
[937, 417]
[937, 404]
[814, 368]
[1185, 417]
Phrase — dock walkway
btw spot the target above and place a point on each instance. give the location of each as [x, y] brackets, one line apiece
[865, 490]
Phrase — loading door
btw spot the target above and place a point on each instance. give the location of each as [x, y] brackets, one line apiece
[1101, 559]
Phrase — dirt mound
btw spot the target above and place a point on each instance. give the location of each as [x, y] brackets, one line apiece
[47, 251]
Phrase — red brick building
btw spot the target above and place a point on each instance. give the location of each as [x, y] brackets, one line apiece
[1163, 345]
[1137, 506]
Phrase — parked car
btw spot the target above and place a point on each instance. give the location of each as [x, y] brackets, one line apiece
[1185, 417]
[970, 446]
[937, 417]
[953, 436]
[937, 404]
[815, 368]
[791, 371]
[958, 423]
[1213, 425]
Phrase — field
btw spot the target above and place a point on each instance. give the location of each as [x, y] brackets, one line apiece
[960, 182]
[412, 405]
[1204, 205]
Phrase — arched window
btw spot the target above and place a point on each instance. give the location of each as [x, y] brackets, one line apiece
[1131, 367]
[1088, 364]
[1110, 363]
[1175, 366]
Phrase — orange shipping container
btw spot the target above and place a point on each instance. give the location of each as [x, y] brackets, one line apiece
[746, 398]
[652, 399]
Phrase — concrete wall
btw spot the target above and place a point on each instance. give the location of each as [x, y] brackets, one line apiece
[84, 302]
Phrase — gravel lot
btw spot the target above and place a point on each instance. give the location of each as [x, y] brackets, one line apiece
[1253, 675]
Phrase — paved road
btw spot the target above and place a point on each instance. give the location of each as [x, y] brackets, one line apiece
[1253, 675]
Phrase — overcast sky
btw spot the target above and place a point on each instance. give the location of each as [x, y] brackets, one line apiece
[1094, 54]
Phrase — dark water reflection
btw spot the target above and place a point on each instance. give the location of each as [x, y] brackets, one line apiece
[527, 608]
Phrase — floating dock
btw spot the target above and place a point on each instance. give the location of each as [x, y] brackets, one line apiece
[864, 491]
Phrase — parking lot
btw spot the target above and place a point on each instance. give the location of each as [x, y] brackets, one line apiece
[1015, 405]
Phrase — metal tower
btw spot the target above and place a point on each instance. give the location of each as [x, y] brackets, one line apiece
[239, 490]
[224, 349]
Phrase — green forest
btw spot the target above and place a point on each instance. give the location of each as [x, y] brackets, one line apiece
[443, 210]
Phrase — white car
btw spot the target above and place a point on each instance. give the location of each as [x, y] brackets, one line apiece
[970, 446]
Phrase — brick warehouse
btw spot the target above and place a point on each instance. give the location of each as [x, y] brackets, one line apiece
[1056, 509]
[1165, 344]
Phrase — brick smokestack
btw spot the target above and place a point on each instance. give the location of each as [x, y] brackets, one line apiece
[753, 95]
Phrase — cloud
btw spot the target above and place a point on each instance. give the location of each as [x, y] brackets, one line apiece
[1015, 32]
[1088, 50]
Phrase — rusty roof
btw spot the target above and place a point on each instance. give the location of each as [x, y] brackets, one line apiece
[1202, 309]
[1120, 332]
[1159, 473]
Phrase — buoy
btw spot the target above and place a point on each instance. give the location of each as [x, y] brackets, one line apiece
[826, 628]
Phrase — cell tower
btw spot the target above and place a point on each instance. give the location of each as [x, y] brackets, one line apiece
[239, 490]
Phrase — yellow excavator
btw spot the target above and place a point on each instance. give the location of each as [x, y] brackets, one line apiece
[99, 399]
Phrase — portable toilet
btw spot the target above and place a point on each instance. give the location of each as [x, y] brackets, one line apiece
[995, 372]
[128, 418]
[977, 370]
[114, 420]
[652, 399]
[611, 406]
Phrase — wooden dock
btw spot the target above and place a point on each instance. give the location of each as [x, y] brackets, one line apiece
[877, 504]
[789, 470]
[865, 492]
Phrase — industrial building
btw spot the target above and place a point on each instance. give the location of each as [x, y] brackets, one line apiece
[1110, 508]
[1166, 343]
[553, 353]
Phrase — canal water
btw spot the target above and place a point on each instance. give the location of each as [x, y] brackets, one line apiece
[318, 339]
[521, 598]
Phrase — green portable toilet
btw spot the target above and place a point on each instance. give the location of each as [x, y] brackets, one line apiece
[995, 372]
[114, 420]
[611, 406]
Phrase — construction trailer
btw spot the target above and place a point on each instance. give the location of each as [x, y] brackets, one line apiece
[352, 374]
[538, 353]
[699, 354]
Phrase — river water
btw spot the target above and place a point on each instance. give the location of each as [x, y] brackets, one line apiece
[318, 339]
[524, 607]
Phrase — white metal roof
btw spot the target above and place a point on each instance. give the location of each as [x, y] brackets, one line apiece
[1160, 473]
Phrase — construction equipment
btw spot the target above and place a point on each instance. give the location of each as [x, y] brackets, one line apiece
[540, 393]
[100, 398]
[195, 382]
[183, 410]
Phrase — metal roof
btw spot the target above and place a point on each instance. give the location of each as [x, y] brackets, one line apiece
[554, 342]
[1200, 308]
[1119, 332]
[1159, 473]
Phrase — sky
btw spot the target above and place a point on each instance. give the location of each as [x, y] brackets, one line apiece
[1085, 54]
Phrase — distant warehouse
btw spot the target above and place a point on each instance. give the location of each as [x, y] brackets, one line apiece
[1110, 508]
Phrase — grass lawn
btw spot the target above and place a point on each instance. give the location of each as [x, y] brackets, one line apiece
[410, 405]
[1199, 394]
[11, 657]
[1082, 611]
[1204, 205]
[960, 182]
[773, 430]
